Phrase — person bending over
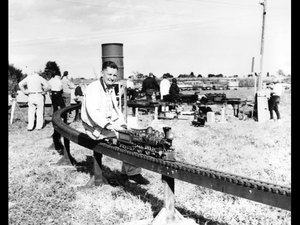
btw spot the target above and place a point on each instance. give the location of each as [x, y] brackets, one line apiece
[102, 118]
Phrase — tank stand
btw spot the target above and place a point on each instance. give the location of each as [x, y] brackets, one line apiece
[97, 179]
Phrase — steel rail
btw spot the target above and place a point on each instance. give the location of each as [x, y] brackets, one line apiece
[255, 190]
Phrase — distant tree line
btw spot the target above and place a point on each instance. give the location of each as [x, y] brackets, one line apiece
[15, 75]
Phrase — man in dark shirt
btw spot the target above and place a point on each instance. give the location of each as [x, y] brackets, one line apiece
[150, 86]
[78, 98]
[174, 90]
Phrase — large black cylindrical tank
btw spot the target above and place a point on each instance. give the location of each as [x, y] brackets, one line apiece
[114, 52]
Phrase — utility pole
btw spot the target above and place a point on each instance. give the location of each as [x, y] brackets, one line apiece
[253, 75]
[260, 77]
[262, 101]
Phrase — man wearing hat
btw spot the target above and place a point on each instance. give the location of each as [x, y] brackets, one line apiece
[36, 88]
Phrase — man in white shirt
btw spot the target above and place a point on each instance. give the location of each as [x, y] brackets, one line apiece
[57, 101]
[101, 116]
[67, 85]
[130, 88]
[164, 86]
[36, 88]
[56, 92]
[275, 100]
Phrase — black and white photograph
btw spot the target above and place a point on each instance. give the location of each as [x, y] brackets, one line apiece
[162, 112]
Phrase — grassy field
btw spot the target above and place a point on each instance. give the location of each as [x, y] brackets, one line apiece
[42, 193]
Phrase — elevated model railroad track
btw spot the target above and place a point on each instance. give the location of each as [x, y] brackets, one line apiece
[255, 190]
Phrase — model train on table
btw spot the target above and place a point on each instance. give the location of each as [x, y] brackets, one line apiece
[146, 141]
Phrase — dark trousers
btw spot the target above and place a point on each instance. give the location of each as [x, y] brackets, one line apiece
[273, 105]
[131, 94]
[57, 101]
[77, 113]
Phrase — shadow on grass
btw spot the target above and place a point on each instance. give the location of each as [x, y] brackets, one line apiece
[114, 179]
[86, 166]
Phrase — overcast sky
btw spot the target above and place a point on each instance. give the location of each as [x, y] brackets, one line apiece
[159, 36]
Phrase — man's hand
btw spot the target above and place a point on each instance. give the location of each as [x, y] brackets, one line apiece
[116, 127]
[26, 92]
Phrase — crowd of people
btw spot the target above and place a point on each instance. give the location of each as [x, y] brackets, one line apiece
[151, 87]
[36, 88]
[60, 87]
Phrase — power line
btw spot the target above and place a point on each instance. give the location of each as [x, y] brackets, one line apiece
[118, 33]
[225, 4]
[212, 2]
[130, 9]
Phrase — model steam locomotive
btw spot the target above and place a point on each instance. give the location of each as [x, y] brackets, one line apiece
[147, 141]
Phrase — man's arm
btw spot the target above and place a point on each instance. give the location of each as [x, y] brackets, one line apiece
[144, 86]
[45, 84]
[71, 85]
[157, 85]
[22, 86]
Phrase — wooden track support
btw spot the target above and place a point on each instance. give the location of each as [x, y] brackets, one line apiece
[66, 159]
[168, 215]
[97, 179]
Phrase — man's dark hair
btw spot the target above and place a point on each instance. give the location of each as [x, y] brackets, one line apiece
[109, 64]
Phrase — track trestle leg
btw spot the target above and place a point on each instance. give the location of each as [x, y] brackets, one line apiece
[169, 214]
[97, 179]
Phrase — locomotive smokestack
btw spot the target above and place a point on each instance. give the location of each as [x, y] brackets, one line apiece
[167, 131]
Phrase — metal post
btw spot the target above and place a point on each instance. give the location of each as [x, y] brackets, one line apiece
[260, 77]
[13, 106]
[125, 103]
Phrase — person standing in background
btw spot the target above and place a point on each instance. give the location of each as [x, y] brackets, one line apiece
[164, 86]
[67, 85]
[130, 88]
[36, 88]
[174, 90]
[150, 86]
[56, 93]
[275, 100]
[79, 94]
[57, 101]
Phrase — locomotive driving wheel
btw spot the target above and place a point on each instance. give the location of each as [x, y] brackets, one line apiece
[147, 152]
